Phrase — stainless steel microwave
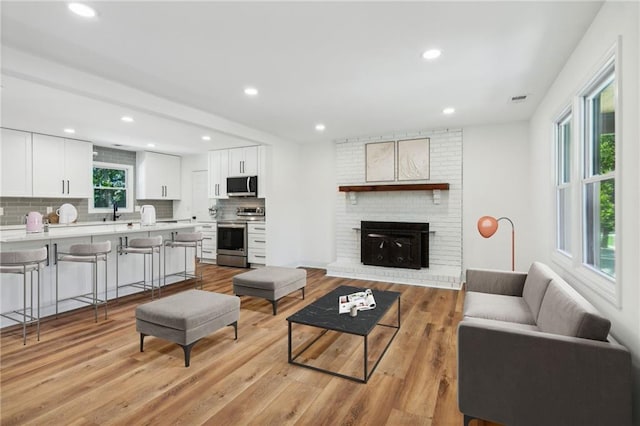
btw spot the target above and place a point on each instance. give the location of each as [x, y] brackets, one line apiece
[246, 186]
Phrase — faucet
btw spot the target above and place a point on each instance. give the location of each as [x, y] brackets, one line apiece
[115, 212]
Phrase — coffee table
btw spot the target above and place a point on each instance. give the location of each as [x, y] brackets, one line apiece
[323, 313]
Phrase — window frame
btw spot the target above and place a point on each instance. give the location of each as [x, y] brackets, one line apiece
[128, 169]
[574, 266]
[565, 117]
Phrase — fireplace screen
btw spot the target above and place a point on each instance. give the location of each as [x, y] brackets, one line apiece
[395, 244]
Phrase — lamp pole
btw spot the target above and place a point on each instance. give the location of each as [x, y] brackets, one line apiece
[513, 239]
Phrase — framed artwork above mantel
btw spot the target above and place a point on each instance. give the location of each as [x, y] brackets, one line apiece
[413, 159]
[380, 161]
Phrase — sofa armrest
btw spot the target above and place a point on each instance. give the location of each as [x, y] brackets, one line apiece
[497, 282]
[525, 377]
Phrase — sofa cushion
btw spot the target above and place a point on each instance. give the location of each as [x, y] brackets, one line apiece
[497, 307]
[535, 286]
[564, 311]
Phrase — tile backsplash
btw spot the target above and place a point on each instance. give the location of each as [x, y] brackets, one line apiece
[15, 209]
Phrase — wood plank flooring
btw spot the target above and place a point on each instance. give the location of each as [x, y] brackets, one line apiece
[82, 372]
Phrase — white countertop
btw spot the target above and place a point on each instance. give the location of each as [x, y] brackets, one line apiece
[86, 229]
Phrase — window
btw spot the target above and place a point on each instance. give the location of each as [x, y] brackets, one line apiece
[563, 183]
[111, 184]
[598, 181]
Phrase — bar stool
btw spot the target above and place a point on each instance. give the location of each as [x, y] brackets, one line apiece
[87, 253]
[147, 247]
[185, 240]
[21, 262]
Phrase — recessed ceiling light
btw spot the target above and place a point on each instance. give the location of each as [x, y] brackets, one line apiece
[69, 130]
[431, 54]
[127, 119]
[320, 127]
[151, 145]
[448, 110]
[250, 91]
[81, 9]
[206, 138]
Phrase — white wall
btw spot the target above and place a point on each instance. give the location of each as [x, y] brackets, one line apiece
[182, 208]
[317, 163]
[284, 204]
[614, 19]
[496, 183]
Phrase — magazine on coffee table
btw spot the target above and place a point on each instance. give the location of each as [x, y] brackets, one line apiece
[362, 300]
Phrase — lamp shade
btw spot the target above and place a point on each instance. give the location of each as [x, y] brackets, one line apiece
[487, 226]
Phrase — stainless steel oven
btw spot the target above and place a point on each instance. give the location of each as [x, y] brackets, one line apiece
[232, 243]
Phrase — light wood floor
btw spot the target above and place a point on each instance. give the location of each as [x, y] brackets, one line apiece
[86, 373]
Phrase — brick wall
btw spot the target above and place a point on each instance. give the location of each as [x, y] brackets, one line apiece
[444, 218]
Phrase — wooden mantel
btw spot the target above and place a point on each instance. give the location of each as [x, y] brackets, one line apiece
[405, 187]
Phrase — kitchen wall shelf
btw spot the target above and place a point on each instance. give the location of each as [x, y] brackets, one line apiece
[405, 187]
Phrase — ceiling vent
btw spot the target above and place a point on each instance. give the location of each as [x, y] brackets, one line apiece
[518, 98]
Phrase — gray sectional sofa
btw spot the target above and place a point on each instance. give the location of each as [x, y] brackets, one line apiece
[532, 351]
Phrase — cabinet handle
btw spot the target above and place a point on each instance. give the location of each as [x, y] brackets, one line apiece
[68, 188]
[259, 229]
[63, 186]
[259, 255]
[55, 253]
[47, 247]
[207, 251]
[259, 241]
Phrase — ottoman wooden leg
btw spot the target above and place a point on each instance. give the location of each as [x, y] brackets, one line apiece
[187, 352]
[142, 342]
[275, 306]
[235, 328]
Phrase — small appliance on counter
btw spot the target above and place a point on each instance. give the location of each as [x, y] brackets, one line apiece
[147, 215]
[67, 213]
[34, 222]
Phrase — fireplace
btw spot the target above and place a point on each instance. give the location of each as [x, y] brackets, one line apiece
[395, 244]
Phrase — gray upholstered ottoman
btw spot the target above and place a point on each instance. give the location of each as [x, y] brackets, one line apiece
[271, 283]
[186, 317]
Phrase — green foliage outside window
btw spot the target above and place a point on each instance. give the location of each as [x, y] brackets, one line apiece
[109, 187]
[607, 148]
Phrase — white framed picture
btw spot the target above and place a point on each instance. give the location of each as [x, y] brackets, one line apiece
[380, 161]
[413, 159]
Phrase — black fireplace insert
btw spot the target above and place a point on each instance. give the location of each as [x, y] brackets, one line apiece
[395, 244]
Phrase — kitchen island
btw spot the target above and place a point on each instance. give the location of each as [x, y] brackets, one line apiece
[75, 279]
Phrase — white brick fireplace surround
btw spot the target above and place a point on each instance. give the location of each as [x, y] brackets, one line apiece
[444, 216]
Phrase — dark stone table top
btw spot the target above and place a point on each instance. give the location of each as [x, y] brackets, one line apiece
[323, 312]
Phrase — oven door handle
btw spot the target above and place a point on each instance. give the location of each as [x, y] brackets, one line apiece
[232, 225]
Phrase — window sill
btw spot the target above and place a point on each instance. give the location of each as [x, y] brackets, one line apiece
[581, 277]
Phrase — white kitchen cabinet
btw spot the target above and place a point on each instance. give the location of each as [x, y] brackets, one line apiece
[158, 176]
[208, 242]
[257, 243]
[218, 173]
[15, 159]
[62, 167]
[243, 161]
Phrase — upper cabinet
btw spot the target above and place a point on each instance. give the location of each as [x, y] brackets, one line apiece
[61, 167]
[235, 162]
[15, 159]
[243, 161]
[218, 172]
[158, 176]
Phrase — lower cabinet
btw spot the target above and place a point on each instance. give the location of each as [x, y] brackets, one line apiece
[257, 243]
[208, 242]
[76, 278]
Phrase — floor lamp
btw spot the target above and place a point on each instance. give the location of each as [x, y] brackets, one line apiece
[488, 225]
